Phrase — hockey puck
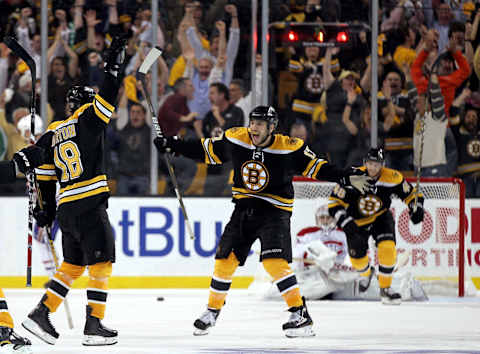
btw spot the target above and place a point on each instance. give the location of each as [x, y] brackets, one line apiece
[160, 298]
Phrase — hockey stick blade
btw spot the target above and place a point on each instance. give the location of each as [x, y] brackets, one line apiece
[20, 52]
[151, 58]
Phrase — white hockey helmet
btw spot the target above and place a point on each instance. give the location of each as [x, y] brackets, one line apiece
[23, 126]
[323, 219]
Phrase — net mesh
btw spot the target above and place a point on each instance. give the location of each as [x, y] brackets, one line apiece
[433, 245]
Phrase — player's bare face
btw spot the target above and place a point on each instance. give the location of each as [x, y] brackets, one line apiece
[260, 132]
[373, 168]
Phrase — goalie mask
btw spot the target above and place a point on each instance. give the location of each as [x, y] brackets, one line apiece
[323, 219]
[77, 96]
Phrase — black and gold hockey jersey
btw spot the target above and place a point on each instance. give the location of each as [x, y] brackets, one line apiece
[365, 208]
[75, 157]
[261, 175]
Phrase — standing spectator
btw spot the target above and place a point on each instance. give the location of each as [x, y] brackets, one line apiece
[174, 117]
[223, 114]
[308, 70]
[134, 154]
[340, 95]
[468, 143]
[442, 24]
[430, 128]
[216, 45]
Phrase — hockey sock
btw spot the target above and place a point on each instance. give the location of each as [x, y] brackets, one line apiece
[5, 318]
[97, 288]
[284, 279]
[387, 257]
[221, 280]
[361, 265]
[60, 284]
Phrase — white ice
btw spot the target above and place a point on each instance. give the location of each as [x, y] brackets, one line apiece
[250, 325]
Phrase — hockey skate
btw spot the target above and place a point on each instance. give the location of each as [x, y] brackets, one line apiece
[364, 282]
[95, 333]
[300, 323]
[390, 297]
[11, 340]
[38, 323]
[207, 319]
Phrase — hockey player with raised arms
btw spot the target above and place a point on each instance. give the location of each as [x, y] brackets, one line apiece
[264, 164]
[75, 158]
[362, 215]
[23, 160]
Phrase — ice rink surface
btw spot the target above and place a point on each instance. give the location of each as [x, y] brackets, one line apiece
[250, 325]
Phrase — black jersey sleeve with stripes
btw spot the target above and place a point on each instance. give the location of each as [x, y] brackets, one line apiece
[309, 165]
[212, 151]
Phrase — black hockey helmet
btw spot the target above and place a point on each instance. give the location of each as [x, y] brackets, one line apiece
[266, 113]
[375, 154]
[77, 96]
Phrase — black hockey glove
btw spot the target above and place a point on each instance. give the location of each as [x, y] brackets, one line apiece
[165, 144]
[28, 158]
[417, 215]
[350, 227]
[44, 217]
[115, 55]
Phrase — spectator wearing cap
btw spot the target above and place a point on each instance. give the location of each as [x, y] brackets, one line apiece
[341, 94]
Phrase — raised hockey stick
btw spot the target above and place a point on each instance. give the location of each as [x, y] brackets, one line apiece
[150, 59]
[20, 52]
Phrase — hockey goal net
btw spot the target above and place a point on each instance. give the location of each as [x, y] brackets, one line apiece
[436, 247]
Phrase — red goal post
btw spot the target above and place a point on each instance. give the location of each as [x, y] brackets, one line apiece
[436, 246]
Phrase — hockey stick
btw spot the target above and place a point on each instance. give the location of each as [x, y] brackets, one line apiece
[20, 52]
[150, 59]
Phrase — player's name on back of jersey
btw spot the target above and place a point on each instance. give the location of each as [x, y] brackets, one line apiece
[63, 133]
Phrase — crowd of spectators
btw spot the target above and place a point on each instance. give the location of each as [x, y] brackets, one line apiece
[322, 94]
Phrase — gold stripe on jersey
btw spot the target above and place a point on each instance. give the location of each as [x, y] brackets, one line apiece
[210, 157]
[277, 201]
[468, 167]
[103, 109]
[283, 144]
[313, 167]
[411, 196]
[239, 136]
[336, 202]
[303, 106]
[368, 220]
[46, 172]
[83, 189]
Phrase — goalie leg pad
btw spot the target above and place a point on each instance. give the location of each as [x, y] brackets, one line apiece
[5, 318]
[387, 257]
[221, 280]
[59, 285]
[285, 280]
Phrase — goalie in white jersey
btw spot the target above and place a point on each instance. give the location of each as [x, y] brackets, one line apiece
[324, 271]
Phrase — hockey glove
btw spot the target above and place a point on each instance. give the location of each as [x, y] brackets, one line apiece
[417, 215]
[44, 217]
[115, 55]
[350, 227]
[360, 182]
[165, 144]
[28, 158]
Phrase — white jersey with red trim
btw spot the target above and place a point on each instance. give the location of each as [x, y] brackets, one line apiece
[335, 240]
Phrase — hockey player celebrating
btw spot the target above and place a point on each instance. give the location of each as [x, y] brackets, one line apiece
[363, 215]
[23, 160]
[264, 164]
[75, 158]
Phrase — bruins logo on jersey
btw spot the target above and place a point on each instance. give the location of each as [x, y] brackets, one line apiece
[255, 175]
[313, 83]
[473, 148]
[369, 204]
